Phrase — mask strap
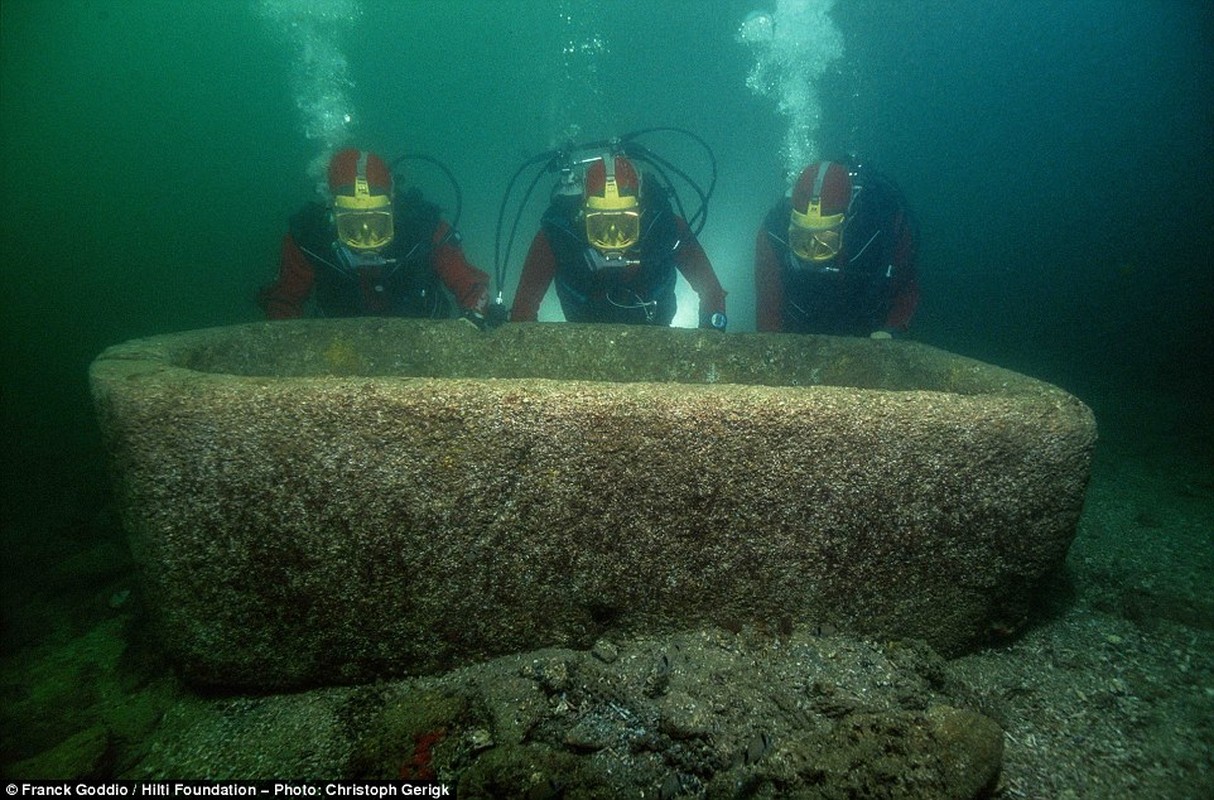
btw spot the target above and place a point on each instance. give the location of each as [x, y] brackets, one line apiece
[819, 179]
[610, 187]
[362, 188]
[815, 199]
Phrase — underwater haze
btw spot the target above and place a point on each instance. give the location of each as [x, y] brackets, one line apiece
[1056, 153]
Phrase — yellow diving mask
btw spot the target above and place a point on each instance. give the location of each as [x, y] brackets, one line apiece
[364, 220]
[612, 212]
[613, 230]
[814, 237]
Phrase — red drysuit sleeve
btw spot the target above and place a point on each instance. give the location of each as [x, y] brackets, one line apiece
[469, 285]
[538, 271]
[285, 297]
[769, 288]
[693, 262]
[906, 292]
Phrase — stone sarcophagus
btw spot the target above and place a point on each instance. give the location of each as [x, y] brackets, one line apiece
[335, 500]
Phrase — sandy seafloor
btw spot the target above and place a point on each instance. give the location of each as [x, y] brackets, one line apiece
[1108, 694]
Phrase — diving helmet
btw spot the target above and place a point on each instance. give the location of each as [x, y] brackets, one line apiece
[611, 206]
[361, 186]
[820, 201]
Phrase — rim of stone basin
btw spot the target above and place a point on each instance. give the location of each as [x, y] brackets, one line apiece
[453, 349]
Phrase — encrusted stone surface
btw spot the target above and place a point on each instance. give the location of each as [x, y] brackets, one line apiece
[329, 501]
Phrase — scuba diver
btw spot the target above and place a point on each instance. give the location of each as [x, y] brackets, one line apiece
[372, 253]
[837, 257]
[613, 244]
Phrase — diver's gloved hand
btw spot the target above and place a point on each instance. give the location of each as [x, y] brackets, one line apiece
[476, 319]
[496, 315]
[715, 322]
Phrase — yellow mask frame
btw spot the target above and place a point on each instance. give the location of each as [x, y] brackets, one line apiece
[613, 230]
[613, 220]
[813, 236]
[364, 221]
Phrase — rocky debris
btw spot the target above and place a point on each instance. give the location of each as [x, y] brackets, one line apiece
[736, 715]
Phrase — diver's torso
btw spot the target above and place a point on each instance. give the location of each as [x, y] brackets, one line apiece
[398, 281]
[636, 290]
[850, 295]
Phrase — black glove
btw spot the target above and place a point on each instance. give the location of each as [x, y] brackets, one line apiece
[496, 315]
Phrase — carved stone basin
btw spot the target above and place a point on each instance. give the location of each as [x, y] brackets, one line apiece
[334, 500]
